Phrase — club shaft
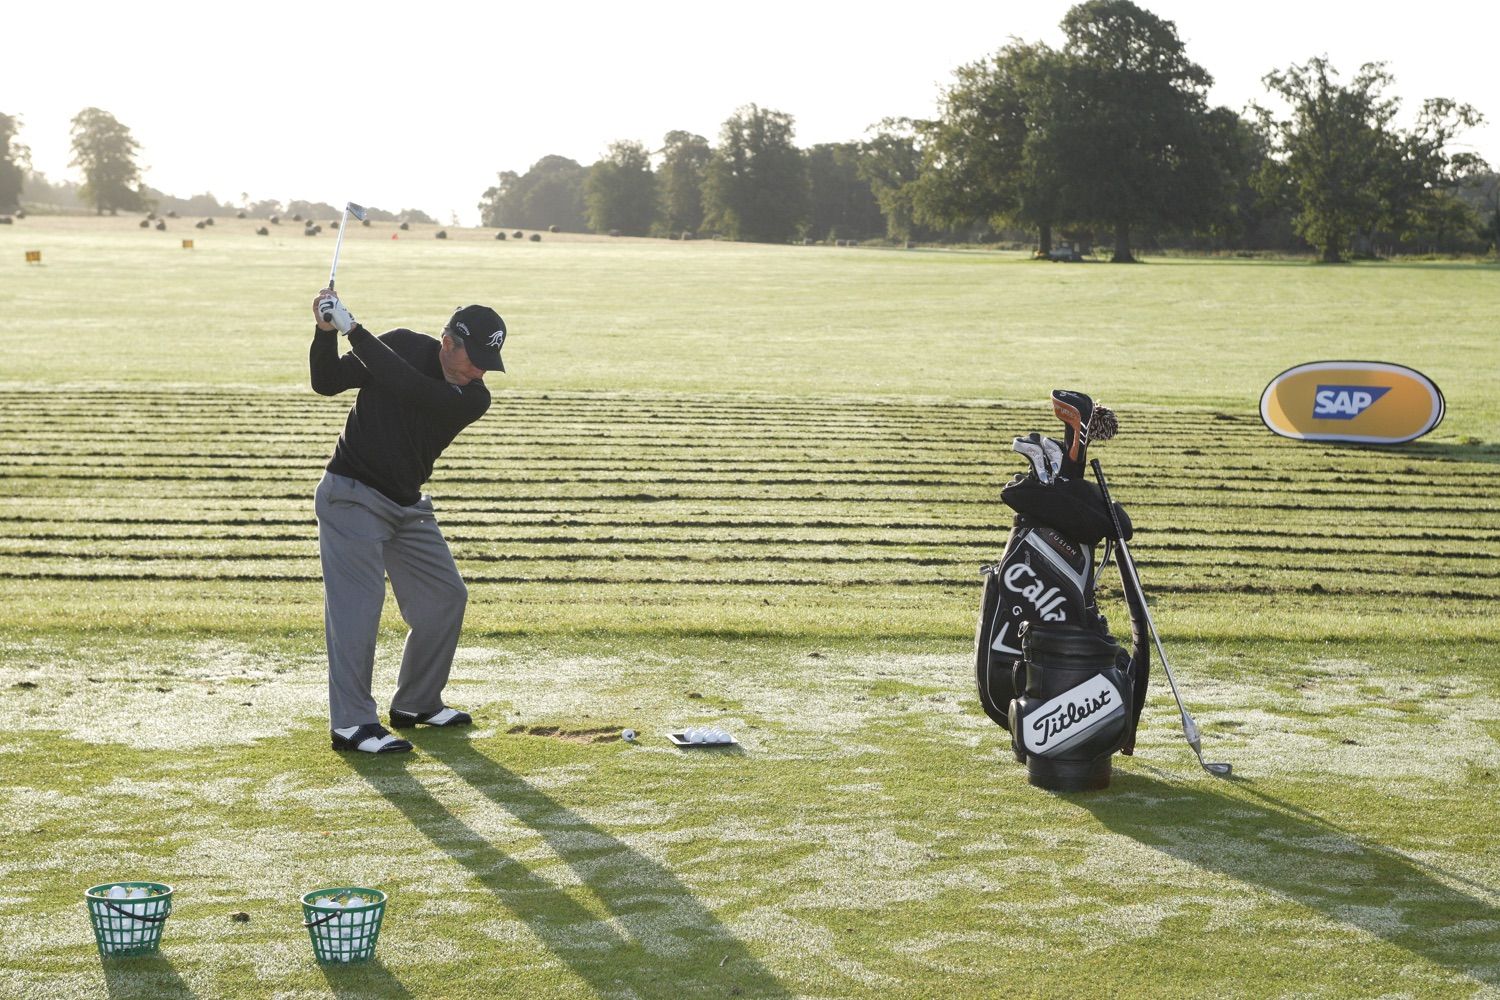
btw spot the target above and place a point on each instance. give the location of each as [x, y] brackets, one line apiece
[337, 244]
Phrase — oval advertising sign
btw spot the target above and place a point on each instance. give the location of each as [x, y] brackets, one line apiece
[1371, 402]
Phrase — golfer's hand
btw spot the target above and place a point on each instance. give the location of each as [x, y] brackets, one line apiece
[331, 314]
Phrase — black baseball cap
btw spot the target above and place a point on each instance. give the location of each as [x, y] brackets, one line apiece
[482, 332]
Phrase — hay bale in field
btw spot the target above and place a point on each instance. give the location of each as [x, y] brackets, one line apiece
[519, 235]
[275, 220]
[239, 215]
[441, 234]
[536, 237]
[297, 217]
[262, 231]
[198, 225]
[145, 223]
[310, 231]
[161, 225]
[551, 229]
[150, 216]
[364, 222]
[499, 236]
[404, 226]
[208, 221]
[334, 223]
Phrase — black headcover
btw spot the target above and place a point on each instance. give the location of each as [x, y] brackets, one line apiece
[1074, 507]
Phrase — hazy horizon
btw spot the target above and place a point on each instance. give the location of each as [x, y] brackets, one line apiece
[366, 106]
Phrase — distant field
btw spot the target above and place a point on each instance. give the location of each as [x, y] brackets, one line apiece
[753, 485]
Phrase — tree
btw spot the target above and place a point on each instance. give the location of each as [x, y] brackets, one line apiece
[15, 162]
[106, 151]
[979, 156]
[841, 204]
[1124, 131]
[685, 159]
[621, 191]
[549, 194]
[756, 185]
[1345, 166]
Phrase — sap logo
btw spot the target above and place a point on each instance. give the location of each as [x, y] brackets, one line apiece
[1345, 402]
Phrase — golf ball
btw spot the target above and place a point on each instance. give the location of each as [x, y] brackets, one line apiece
[628, 736]
[697, 736]
[117, 892]
[138, 893]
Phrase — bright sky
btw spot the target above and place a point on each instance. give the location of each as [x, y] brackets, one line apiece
[419, 106]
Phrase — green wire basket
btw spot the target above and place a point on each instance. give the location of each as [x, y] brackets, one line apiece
[342, 933]
[125, 927]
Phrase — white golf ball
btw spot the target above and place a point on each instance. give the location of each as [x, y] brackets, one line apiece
[117, 892]
[138, 893]
[628, 736]
[356, 901]
[697, 736]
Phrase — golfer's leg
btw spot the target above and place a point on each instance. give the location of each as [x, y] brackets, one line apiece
[350, 540]
[432, 598]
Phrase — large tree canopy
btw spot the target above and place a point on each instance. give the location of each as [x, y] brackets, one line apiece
[621, 191]
[1344, 165]
[685, 158]
[15, 160]
[976, 164]
[106, 151]
[841, 204]
[1125, 131]
[756, 185]
[549, 194]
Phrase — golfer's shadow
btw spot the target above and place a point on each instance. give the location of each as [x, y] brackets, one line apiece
[658, 940]
[1301, 856]
[142, 977]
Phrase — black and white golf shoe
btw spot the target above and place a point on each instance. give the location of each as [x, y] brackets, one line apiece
[372, 737]
[442, 717]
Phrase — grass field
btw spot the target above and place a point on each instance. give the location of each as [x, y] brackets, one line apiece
[752, 486]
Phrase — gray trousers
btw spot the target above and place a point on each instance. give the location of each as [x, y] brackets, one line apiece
[363, 537]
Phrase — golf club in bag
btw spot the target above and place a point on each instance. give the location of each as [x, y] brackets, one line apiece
[358, 211]
[1047, 669]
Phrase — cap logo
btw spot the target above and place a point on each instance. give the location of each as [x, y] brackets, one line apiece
[463, 330]
[497, 339]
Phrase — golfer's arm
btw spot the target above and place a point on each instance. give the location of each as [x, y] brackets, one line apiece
[391, 370]
[332, 374]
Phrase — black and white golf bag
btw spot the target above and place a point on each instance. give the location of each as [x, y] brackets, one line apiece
[1047, 669]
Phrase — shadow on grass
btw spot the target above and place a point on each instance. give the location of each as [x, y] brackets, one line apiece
[1302, 857]
[656, 940]
[143, 977]
[363, 979]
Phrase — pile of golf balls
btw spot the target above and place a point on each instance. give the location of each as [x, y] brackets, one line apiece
[707, 736]
[345, 936]
[121, 932]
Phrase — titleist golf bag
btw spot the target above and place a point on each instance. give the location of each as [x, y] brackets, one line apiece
[1047, 669]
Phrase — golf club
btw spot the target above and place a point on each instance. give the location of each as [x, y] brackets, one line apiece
[358, 211]
[1133, 578]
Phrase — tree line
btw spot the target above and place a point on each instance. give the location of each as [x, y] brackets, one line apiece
[1107, 140]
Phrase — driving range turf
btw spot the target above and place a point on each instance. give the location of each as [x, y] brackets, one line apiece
[749, 486]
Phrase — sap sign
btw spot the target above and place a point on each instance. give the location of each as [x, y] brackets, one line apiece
[1370, 402]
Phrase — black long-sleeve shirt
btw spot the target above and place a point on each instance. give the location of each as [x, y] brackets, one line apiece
[406, 413]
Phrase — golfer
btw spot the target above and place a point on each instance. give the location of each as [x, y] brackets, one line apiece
[415, 394]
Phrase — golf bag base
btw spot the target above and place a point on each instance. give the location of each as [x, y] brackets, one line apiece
[1075, 711]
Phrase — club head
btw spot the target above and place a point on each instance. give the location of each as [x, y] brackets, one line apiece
[1217, 770]
[358, 211]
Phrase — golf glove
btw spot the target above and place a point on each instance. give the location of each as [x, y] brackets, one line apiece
[335, 312]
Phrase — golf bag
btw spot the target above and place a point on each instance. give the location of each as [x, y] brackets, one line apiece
[1040, 635]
